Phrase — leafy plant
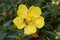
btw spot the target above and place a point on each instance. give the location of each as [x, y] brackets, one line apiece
[50, 11]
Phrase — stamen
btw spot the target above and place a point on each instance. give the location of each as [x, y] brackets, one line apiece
[25, 21]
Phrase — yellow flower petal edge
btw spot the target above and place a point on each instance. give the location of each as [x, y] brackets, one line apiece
[34, 11]
[22, 10]
[29, 30]
[42, 18]
[19, 22]
[39, 22]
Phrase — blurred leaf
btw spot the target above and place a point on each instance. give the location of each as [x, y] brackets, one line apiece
[7, 24]
[48, 26]
[2, 35]
[45, 15]
[22, 33]
[58, 20]
[36, 2]
[50, 33]
[12, 36]
[27, 38]
[19, 1]
[42, 38]
[58, 35]
[58, 28]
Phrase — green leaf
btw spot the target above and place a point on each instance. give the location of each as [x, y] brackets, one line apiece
[22, 33]
[58, 28]
[45, 15]
[12, 36]
[27, 38]
[2, 35]
[51, 33]
[19, 1]
[42, 38]
[7, 24]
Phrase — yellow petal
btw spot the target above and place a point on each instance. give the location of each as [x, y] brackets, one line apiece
[18, 21]
[21, 26]
[34, 11]
[30, 23]
[41, 18]
[22, 10]
[29, 30]
[39, 22]
[28, 18]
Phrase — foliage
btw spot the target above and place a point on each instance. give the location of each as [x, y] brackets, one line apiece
[50, 11]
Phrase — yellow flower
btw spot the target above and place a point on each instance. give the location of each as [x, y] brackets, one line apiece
[29, 19]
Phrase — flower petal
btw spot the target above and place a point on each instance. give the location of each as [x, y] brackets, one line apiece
[22, 10]
[41, 18]
[19, 22]
[34, 11]
[30, 23]
[29, 30]
[28, 18]
[21, 26]
[39, 22]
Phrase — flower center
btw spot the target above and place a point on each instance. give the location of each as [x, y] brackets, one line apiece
[25, 21]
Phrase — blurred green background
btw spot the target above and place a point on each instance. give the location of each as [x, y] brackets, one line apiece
[50, 11]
